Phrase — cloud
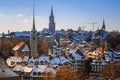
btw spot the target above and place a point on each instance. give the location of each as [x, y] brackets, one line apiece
[19, 22]
[20, 15]
[36, 17]
[26, 21]
[2, 15]
[29, 19]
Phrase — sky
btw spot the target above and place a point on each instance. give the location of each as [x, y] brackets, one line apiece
[16, 15]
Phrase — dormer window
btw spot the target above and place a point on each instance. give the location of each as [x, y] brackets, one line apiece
[34, 73]
[12, 63]
[39, 73]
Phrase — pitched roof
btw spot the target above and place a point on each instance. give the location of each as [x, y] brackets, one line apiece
[25, 48]
[18, 46]
[5, 71]
[21, 46]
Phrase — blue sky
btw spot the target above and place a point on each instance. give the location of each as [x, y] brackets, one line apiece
[16, 15]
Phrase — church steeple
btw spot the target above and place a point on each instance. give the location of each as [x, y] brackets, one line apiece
[33, 37]
[51, 11]
[51, 21]
[103, 26]
[33, 29]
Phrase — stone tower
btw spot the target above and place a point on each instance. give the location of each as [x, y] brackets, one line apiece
[33, 38]
[51, 22]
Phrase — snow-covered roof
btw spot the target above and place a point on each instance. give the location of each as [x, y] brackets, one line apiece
[75, 55]
[18, 68]
[42, 67]
[33, 60]
[21, 34]
[36, 72]
[41, 36]
[44, 58]
[37, 69]
[53, 55]
[5, 71]
[25, 48]
[27, 69]
[57, 61]
[26, 58]
[76, 38]
[63, 59]
[57, 47]
[14, 60]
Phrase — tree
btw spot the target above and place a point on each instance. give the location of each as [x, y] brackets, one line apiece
[7, 44]
[87, 66]
[82, 73]
[111, 71]
[117, 48]
[113, 39]
[43, 46]
[66, 73]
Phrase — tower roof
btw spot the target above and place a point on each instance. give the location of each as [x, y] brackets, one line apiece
[51, 11]
[33, 29]
[103, 26]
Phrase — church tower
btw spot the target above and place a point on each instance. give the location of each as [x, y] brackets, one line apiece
[103, 26]
[33, 38]
[51, 22]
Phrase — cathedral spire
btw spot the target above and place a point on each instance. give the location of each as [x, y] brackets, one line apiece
[33, 29]
[51, 11]
[103, 26]
[51, 22]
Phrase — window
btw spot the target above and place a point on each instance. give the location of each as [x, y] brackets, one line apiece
[39, 73]
[34, 73]
[12, 63]
[33, 37]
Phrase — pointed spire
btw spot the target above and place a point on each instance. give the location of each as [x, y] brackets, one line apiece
[103, 27]
[51, 22]
[103, 22]
[51, 11]
[33, 29]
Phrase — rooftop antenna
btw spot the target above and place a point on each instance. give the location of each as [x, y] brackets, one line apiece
[93, 25]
